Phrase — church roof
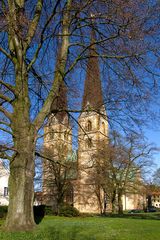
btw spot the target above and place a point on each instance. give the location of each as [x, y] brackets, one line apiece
[60, 101]
[92, 89]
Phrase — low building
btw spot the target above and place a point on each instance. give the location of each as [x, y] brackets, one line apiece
[155, 199]
[4, 176]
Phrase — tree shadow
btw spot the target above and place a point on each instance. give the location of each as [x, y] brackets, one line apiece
[39, 212]
[147, 216]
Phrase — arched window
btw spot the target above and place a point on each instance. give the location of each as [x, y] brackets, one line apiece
[103, 128]
[89, 125]
[88, 143]
[52, 134]
[66, 135]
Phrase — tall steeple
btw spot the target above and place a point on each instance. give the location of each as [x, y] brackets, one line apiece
[60, 101]
[92, 89]
[93, 131]
[57, 142]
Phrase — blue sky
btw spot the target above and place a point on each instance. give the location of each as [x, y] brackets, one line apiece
[153, 136]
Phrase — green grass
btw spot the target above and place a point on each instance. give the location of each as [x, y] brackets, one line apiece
[90, 228]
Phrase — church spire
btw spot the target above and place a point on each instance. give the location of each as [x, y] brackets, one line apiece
[60, 101]
[92, 89]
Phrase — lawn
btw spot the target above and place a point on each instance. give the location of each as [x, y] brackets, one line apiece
[90, 228]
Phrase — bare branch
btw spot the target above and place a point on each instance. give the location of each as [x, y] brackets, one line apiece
[9, 86]
[6, 113]
[6, 130]
[42, 39]
[49, 159]
[5, 156]
[5, 98]
[34, 23]
[59, 76]
[5, 123]
[6, 53]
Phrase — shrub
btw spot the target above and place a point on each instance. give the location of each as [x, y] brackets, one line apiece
[3, 211]
[68, 211]
[48, 210]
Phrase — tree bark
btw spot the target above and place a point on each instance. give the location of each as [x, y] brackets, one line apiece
[21, 181]
[21, 189]
[120, 205]
[113, 201]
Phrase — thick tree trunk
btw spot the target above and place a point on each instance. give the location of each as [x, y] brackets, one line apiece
[113, 202]
[21, 189]
[120, 205]
[105, 203]
[100, 198]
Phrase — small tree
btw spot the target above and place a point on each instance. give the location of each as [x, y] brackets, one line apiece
[59, 172]
[156, 177]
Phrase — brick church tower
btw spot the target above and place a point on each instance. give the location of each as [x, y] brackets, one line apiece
[92, 131]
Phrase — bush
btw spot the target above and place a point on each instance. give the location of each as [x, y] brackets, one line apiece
[49, 210]
[68, 211]
[3, 211]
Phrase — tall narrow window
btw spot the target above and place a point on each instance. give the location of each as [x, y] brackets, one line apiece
[103, 128]
[52, 134]
[88, 143]
[66, 135]
[89, 126]
[60, 132]
[5, 191]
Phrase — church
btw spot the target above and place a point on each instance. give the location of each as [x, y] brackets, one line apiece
[92, 131]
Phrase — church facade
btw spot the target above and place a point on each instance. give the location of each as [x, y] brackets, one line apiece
[92, 132]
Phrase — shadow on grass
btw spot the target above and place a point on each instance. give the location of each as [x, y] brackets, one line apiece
[39, 212]
[148, 216]
[73, 233]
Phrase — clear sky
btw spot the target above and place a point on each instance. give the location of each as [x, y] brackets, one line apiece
[153, 136]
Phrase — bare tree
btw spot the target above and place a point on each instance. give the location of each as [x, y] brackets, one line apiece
[156, 177]
[119, 166]
[58, 175]
[29, 31]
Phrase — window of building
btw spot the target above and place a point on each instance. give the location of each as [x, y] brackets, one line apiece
[88, 143]
[52, 134]
[103, 128]
[66, 135]
[60, 133]
[5, 191]
[89, 125]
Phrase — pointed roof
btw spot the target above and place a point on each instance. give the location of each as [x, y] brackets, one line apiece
[92, 89]
[60, 101]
